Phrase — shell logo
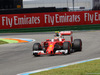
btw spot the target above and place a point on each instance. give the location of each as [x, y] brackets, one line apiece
[51, 46]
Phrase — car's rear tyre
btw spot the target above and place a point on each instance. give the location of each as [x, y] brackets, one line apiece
[77, 45]
[36, 47]
[66, 46]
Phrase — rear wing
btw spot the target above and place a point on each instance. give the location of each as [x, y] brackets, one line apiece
[62, 33]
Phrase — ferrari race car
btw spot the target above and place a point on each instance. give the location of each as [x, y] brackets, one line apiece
[58, 45]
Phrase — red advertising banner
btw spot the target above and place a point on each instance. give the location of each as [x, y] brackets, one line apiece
[31, 20]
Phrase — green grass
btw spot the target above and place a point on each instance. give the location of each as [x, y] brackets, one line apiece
[9, 41]
[88, 68]
[3, 42]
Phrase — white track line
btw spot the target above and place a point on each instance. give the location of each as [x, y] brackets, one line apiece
[55, 67]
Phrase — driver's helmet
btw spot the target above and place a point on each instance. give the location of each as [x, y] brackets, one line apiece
[57, 33]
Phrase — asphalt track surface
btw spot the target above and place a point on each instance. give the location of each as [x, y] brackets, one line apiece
[17, 58]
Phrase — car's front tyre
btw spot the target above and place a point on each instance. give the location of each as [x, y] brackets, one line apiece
[36, 47]
[66, 46]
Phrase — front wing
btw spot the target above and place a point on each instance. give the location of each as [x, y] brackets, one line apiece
[44, 53]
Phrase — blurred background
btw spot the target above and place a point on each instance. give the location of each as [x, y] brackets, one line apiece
[77, 4]
[57, 3]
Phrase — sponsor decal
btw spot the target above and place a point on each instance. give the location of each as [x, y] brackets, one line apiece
[51, 45]
[11, 21]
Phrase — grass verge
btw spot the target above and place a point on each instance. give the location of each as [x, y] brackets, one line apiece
[3, 42]
[88, 68]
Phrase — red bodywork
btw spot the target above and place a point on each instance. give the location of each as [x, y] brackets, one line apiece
[49, 45]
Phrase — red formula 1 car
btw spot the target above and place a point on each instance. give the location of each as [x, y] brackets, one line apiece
[58, 45]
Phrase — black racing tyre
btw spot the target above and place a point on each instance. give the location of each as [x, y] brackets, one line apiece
[37, 46]
[56, 47]
[77, 45]
[66, 46]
